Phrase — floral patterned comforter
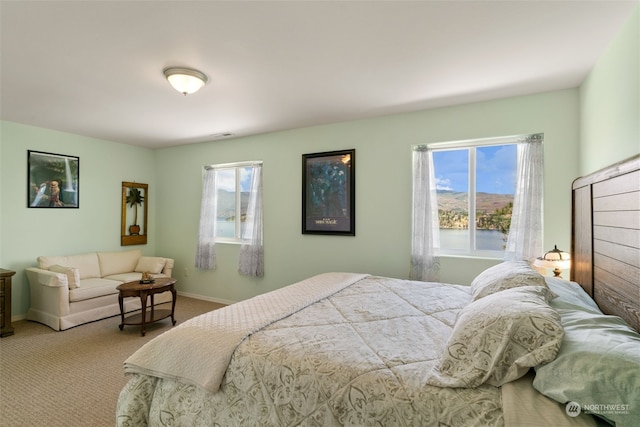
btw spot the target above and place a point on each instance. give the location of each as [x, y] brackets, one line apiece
[358, 357]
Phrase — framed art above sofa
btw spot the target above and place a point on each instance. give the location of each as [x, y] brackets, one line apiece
[53, 180]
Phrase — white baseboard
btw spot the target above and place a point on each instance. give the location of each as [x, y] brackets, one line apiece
[186, 294]
[18, 317]
[201, 297]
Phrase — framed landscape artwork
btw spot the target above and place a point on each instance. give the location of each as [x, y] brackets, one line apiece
[328, 193]
[53, 181]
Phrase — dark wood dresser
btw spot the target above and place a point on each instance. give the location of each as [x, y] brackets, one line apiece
[5, 302]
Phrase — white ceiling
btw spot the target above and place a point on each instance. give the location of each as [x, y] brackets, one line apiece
[94, 68]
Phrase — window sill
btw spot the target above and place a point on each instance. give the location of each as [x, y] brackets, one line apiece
[492, 256]
[231, 242]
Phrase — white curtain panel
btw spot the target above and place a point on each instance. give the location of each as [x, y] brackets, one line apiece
[205, 251]
[525, 234]
[425, 236]
[252, 253]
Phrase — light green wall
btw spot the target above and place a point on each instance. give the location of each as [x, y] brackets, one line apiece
[95, 226]
[383, 194]
[383, 191]
[610, 102]
[604, 111]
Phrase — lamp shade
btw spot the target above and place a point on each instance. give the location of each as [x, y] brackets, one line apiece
[185, 80]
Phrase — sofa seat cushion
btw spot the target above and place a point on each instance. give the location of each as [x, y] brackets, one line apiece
[87, 264]
[118, 262]
[131, 277]
[93, 288]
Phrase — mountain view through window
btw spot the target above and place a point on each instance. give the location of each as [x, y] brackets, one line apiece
[475, 191]
[233, 188]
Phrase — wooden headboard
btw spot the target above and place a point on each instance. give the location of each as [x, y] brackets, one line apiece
[605, 249]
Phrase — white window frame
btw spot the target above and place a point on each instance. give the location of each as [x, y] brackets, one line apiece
[237, 240]
[471, 145]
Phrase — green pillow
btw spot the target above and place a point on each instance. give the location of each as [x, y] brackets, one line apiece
[597, 367]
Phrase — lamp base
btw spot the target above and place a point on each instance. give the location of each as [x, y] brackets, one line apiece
[557, 273]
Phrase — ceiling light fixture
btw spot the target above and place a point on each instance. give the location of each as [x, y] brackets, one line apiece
[185, 80]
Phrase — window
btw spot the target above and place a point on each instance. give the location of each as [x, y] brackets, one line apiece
[485, 166]
[475, 186]
[233, 188]
[231, 211]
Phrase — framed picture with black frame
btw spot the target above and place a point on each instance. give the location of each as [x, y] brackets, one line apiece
[53, 180]
[328, 193]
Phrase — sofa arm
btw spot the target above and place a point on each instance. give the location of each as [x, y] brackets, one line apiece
[47, 278]
[168, 267]
[49, 291]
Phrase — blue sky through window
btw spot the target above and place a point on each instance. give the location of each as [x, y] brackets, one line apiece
[245, 179]
[226, 179]
[495, 169]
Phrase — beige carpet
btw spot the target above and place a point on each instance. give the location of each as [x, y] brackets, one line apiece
[72, 378]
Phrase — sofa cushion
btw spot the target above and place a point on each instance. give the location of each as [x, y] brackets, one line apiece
[118, 262]
[73, 274]
[131, 277]
[87, 264]
[153, 265]
[93, 288]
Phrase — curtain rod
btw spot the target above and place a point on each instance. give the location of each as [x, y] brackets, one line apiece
[233, 165]
[512, 139]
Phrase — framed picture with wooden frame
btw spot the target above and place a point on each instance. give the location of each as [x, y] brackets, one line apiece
[53, 180]
[135, 199]
[328, 193]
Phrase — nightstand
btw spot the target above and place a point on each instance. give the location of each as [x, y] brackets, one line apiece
[5, 302]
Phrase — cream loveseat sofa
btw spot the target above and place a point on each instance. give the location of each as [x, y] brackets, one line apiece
[67, 291]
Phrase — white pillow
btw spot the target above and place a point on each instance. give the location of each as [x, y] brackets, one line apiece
[506, 275]
[73, 274]
[496, 339]
[154, 265]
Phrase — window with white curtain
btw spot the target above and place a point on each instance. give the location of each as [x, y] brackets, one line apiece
[477, 197]
[231, 212]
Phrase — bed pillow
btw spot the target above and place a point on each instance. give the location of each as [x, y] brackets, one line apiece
[597, 367]
[154, 265]
[73, 274]
[496, 339]
[506, 275]
[570, 296]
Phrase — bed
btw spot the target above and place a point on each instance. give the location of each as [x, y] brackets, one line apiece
[514, 348]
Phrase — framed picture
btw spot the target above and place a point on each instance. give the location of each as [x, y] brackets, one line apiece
[328, 193]
[53, 180]
[135, 199]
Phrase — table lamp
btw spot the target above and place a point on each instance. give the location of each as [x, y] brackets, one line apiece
[556, 259]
